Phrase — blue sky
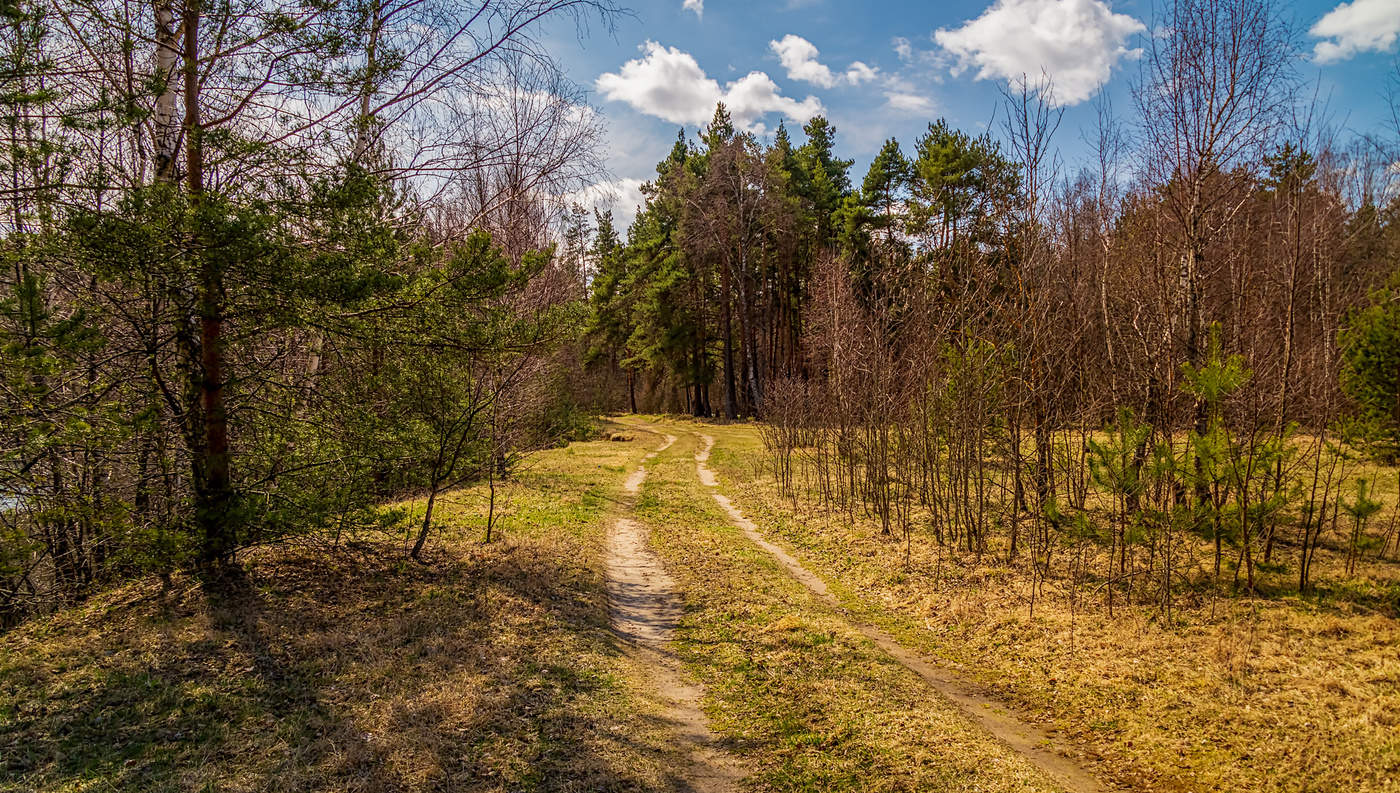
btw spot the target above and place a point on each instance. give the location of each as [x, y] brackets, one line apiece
[886, 68]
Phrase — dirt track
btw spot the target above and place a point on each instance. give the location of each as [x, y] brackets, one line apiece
[645, 610]
[1034, 744]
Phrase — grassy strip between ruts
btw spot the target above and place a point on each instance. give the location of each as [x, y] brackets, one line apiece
[1266, 695]
[809, 703]
[490, 669]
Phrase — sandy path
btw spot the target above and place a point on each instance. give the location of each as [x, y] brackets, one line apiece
[1026, 739]
[645, 609]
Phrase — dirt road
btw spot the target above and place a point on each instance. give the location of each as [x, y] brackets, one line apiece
[645, 609]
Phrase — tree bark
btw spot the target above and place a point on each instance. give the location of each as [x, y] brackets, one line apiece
[213, 474]
[167, 128]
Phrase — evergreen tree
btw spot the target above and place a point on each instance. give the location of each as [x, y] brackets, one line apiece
[610, 322]
[1370, 344]
[825, 181]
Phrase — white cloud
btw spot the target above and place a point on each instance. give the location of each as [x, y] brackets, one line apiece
[799, 57]
[904, 102]
[698, 6]
[858, 73]
[665, 83]
[1077, 42]
[1356, 27]
[755, 94]
[668, 83]
[903, 48]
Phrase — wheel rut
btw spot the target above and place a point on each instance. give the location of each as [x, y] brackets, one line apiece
[1026, 739]
[645, 610]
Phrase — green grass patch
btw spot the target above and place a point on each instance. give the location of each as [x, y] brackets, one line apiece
[491, 668]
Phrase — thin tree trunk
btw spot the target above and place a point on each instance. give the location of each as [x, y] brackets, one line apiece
[167, 129]
[214, 491]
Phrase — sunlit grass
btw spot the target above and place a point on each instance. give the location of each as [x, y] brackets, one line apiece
[1240, 693]
[790, 684]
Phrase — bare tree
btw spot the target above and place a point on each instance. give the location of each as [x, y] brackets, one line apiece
[1217, 86]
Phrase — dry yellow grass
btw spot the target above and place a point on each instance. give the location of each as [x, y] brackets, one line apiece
[1236, 695]
[810, 703]
[490, 669]
[493, 669]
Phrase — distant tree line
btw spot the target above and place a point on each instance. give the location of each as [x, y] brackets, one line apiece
[1194, 337]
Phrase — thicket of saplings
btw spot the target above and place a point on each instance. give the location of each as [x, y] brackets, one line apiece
[945, 429]
[1120, 512]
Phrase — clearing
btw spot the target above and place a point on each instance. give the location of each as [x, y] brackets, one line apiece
[658, 618]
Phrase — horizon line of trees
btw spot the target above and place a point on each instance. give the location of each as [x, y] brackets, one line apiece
[1192, 337]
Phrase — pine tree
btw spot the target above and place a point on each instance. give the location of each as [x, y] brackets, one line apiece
[610, 323]
[825, 181]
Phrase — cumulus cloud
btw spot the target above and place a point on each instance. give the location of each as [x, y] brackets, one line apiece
[668, 83]
[1077, 42]
[799, 57]
[698, 6]
[858, 73]
[755, 94]
[1356, 27]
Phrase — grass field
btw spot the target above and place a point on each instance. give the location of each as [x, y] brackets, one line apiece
[1235, 695]
[491, 668]
[800, 693]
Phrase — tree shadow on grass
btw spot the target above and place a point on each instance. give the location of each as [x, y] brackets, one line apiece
[491, 669]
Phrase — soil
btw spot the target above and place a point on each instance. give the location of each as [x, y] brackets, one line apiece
[645, 610]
